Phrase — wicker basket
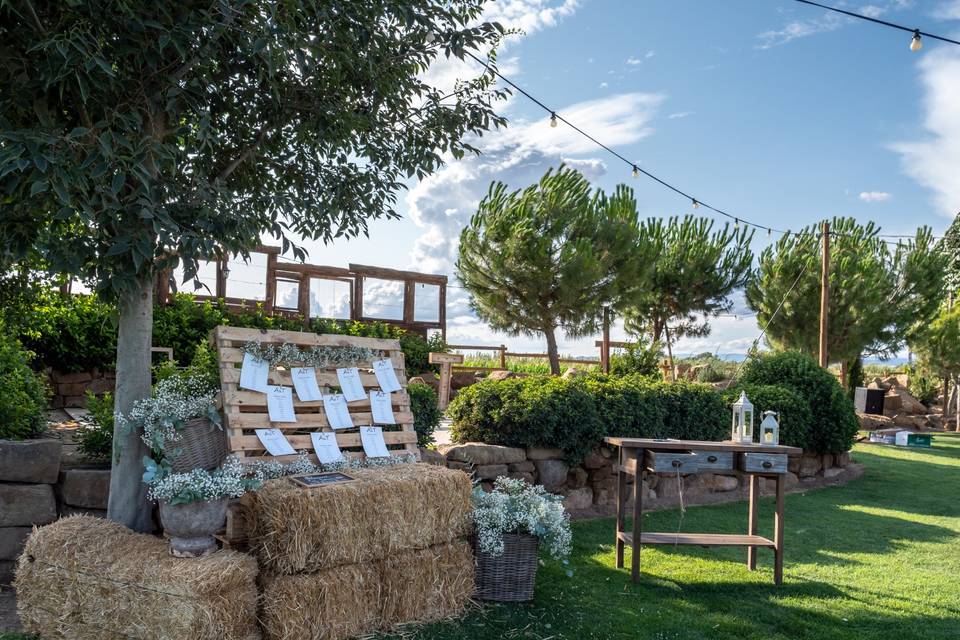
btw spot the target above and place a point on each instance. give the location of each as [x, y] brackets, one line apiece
[509, 577]
[202, 445]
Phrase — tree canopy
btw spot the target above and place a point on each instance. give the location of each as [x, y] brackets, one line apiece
[879, 294]
[938, 343]
[549, 257]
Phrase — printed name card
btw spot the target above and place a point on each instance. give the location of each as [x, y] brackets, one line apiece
[253, 373]
[280, 404]
[373, 444]
[335, 406]
[305, 382]
[326, 448]
[275, 442]
[381, 408]
[350, 384]
[386, 376]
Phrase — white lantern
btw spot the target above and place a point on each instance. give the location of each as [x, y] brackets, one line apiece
[742, 420]
[769, 428]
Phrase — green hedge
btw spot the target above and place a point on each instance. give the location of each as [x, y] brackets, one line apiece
[793, 411]
[23, 394]
[575, 415]
[426, 411]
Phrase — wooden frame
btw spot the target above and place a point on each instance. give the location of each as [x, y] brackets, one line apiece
[300, 481]
[244, 411]
[632, 453]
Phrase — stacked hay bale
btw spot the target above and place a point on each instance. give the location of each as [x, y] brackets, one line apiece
[85, 577]
[348, 559]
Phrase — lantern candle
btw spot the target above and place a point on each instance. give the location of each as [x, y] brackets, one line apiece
[770, 428]
[742, 431]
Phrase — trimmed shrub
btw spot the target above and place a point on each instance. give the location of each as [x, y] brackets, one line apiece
[23, 393]
[426, 411]
[636, 359]
[833, 422]
[793, 412]
[95, 434]
[70, 333]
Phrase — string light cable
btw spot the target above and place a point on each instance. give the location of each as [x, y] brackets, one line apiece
[916, 41]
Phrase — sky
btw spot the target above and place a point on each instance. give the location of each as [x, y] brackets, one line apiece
[775, 111]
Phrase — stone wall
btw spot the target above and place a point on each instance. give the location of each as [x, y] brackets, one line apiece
[593, 483]
[69, 389]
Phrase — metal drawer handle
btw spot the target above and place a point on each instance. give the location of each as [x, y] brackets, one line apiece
[767, 464]
[676, 463]
[711, 458]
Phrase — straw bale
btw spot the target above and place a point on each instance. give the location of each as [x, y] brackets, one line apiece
[384, 511]
[84, 577]
[410, 587]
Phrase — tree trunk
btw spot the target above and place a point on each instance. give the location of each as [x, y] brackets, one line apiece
[946, 396]
[552, 351]
[128, 503]
[843, 375]
[673, 370]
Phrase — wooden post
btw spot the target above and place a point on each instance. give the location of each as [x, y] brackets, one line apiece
[605, 348]
[270, 294]
[223, 271]
[446, 362]
[503, 356]
[637, 528]
[752, 517]
[778, 531]
[824, 294]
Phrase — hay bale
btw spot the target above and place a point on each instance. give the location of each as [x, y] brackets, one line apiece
[410, 587]
[85, 577]
[384, 511]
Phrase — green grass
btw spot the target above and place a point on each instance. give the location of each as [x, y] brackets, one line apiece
[876, 559]
[521, 365]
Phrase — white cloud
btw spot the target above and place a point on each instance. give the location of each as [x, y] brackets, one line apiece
[603, 85]
[825, 22]
[874, 196]
[650, 54]
[933, 161]
[680, 114]
[634, 61]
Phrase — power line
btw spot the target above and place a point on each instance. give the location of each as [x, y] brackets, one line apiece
[915, 42]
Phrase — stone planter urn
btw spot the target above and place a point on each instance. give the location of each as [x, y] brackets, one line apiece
[191, 526]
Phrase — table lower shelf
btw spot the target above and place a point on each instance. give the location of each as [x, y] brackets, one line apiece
[699, 539]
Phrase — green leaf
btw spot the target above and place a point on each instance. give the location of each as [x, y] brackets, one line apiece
[117, 183]
[38, 187]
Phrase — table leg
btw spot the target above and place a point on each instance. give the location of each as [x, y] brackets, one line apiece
[637, 514]
[752, 519]
[778, 531]
[621, 502]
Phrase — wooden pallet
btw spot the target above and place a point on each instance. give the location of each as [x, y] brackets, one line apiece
[244, 411]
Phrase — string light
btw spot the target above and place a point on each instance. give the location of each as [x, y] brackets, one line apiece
[696, 205]
[636, 171]
[736, 223]
[916, 43]
[553, 119]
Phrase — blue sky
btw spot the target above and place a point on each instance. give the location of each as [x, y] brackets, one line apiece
[770, 109]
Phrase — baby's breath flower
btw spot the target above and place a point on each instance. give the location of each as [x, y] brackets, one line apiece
[515, 506]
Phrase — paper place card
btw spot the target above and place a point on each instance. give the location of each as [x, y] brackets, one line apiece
[373, 444]
[280, 404]
[350, 384]
[335, 406]
[386, 376]
[326, 448]
[305, 382]
[253, 373]
[381, 408]
[275, 442]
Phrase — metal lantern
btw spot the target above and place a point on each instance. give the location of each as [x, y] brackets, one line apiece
[769, 428]
[742, 420]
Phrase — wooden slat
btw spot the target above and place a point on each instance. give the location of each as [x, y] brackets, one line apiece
[700, 445]
[699, 539]
[396, 274]
[344, 441]
[306, 420]
[349, 455]
[301, 338]
[324, 380]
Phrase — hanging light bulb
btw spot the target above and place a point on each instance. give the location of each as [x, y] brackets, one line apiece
[916, 43]
[696, 205]
[736, 223]
[769, 232]
[553, 119]
[636, 171]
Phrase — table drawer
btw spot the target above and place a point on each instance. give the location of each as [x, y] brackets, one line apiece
[715, 460]
[671, 462]
[764, 462]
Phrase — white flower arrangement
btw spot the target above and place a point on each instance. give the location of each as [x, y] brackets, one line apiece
[231, 480]
[287, 354]
[174, 401]
[515, 506]
[271, 469]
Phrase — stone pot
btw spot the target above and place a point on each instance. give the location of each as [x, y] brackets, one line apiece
[191, 526]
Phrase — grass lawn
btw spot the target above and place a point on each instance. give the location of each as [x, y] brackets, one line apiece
[876, 559]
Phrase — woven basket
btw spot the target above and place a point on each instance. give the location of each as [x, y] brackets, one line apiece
[509, 577]
[202, 444]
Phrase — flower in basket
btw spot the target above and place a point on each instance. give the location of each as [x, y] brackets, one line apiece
[514, 506]
[174, 401]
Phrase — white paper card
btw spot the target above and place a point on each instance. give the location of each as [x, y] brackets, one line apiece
[305, 382]
[386, 375]
[373, 444]
[280, 404]
[326, 448]
[335, 406]
[253, 373]
[350, 384]
[275, 442]
[381, 408]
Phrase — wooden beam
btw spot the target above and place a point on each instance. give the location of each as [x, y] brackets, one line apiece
[397, 274]
[303, 297]
[409, 300]
[270, 294]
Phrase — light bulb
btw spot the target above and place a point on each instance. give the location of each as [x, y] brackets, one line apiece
[736, 223]
[636, 171]
[553, 119]
[696, 205]
[916, 43]
[769, 232]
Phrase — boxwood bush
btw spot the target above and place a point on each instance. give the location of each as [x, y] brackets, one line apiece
[575, 415]
[23, 393]
[426, 411]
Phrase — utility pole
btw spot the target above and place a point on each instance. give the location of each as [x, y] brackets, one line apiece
[824, 294]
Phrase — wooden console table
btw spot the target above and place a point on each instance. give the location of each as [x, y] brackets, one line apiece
[696, 456]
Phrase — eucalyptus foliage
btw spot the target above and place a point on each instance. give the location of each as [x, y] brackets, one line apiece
[549, 257]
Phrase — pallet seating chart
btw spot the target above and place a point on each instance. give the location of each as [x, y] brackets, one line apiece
[246, 410]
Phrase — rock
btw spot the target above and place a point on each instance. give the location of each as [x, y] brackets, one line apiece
[605, 452]
[460, 466]
[826, 460]
[526, 476]
[479, 453]
[544, 453]
[725, 483]
[461, 379]
[909, 421]
[892, 402]
[871, 422]
[69, 378]
[491, 471]
[67, 510]
[22, 505]
[841, 459]
[907, 402]
[431, 456]
[595, 461]
[34, 461]
[416, 380]
[934, 420]
[581, 498]
[833, 472]
[101, 386]
[501, 374]
[793, 464]
[87, 488]
[487, 486]
[809, 466]
[577, 477]
[552, 474]
[792, 480]
[6, 572]
[11, 541]
[526, 466]
[573, 372]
